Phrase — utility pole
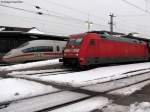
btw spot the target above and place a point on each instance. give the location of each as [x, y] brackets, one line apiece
[111, 23]
[89, 23]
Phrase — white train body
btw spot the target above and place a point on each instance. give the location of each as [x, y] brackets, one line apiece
[35, 50]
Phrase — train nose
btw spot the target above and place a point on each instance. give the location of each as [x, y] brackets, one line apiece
[6, 57]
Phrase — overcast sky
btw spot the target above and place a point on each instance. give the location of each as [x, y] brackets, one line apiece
[65, 17]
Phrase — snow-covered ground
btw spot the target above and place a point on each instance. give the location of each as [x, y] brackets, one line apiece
[130, 90]
[86, 105]
[140, 107]
[44, 101]
[13, 89]
[115, 108]
[30, 65]
[135, 107]
[94, 76]
[98, 75]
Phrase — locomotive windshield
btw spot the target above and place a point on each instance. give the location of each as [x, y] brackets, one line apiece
[75, 41]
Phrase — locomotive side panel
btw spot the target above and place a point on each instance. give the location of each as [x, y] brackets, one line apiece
[122, 51]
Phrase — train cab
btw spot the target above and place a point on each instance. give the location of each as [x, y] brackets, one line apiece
[77, 48]
[101, 47]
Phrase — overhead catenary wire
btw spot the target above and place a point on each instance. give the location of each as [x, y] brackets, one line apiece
[40, 12]
[67, 7]
[123, 0]
[43, 13]
[20, 9]
[47, 10]
[45, 22]
[132, 15]
[133, 23]
[73, 9]
[50, 24]
[146, 11]
[48, 14]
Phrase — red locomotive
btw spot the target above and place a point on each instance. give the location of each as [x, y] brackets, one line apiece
[102, 47]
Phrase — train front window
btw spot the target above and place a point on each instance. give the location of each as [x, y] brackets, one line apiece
[22, 45]
[75, 41]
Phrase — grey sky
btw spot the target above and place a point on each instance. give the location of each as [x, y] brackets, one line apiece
[68, 16]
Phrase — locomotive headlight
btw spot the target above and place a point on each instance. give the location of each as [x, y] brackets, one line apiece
[76, 50]
[65, 54]
[77, 54]
[67, 50]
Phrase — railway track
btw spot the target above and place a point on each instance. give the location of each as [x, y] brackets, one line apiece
[84, 92]
[52, 106]
[42, 72]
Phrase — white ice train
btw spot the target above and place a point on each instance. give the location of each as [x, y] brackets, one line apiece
[35, 50]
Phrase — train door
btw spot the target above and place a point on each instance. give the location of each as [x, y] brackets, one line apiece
[92, 48]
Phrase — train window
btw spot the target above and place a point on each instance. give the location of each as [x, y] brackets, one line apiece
[75, 41]
[106, 35]
[92, 42]
[38, 49]
[58, 49]
[28, 50]
[50, 48]
[22, 45]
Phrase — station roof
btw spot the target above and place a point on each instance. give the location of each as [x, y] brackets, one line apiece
[25, 35]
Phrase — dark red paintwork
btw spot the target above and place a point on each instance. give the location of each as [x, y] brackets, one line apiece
[104, 50]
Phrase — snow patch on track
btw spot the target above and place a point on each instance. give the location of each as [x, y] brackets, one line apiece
[98, 75]
[85, 106]
[140, 107]
[30, 65]
[13, 89]
[131, 89]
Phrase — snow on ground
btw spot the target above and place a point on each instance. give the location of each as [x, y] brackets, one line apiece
[140, 107]
[13, 89]
[98, 75]
[36, 104]
[85, 106]
[30, 65]
[115, 108]
[131, 89]
[136, 107]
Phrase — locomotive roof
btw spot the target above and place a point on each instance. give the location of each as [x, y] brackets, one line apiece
[108, 32]
[129, 36]
[138, 38]
[33, 36]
